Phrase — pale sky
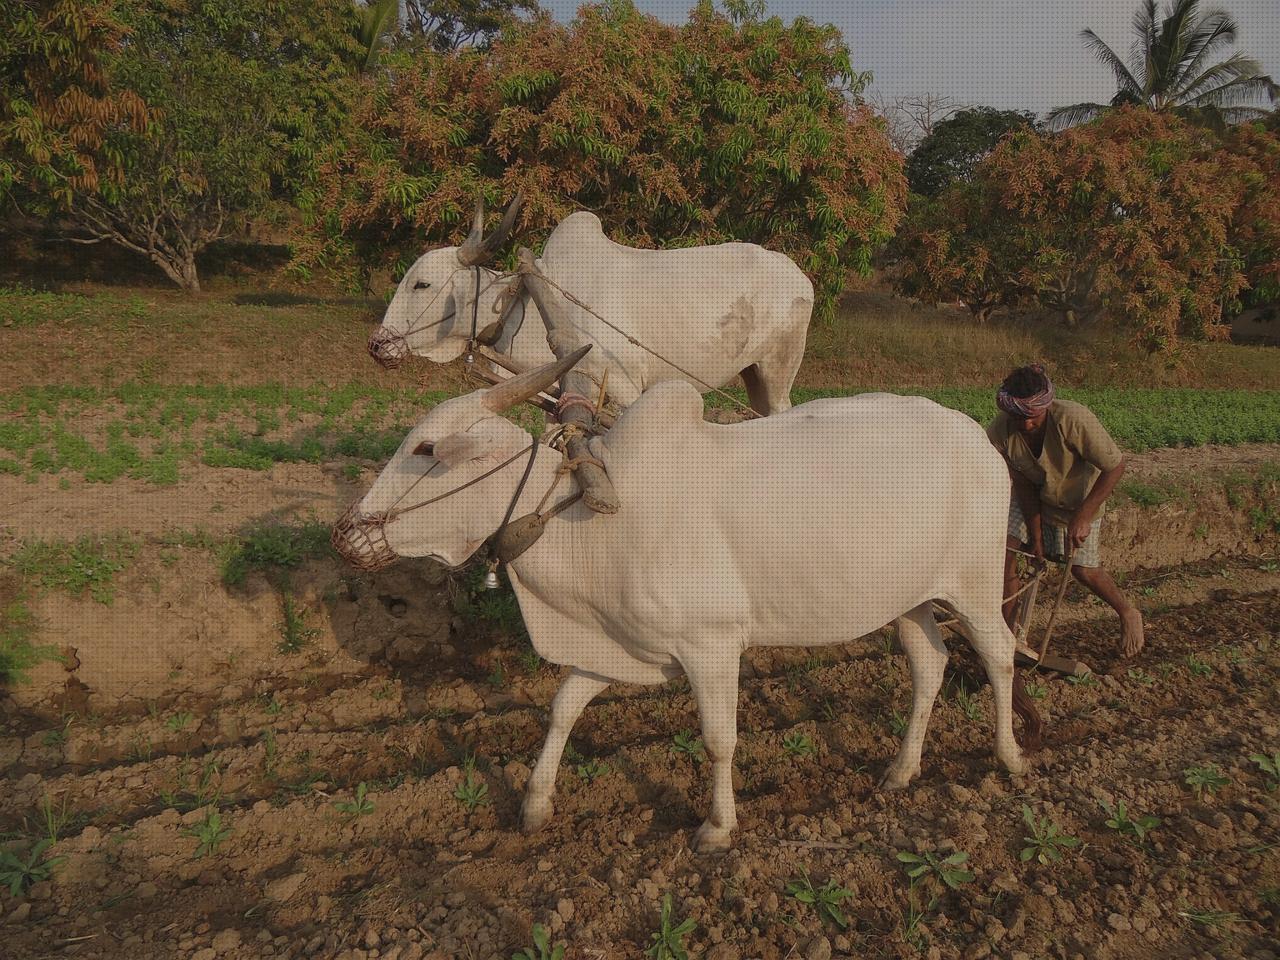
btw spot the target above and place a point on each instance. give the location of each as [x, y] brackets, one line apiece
[1010, 54]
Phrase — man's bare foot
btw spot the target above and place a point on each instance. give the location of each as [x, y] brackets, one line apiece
[1131, 633]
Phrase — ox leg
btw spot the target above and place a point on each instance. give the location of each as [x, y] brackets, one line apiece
[714, 679]
[571, 699]
[927, 657]
[993, 641]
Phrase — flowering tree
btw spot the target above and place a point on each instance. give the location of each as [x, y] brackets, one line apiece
[729, 127]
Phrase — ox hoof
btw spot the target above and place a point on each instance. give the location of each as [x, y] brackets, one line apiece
[1017, 765]
[534, 815]
[711, 839]
[897, 779]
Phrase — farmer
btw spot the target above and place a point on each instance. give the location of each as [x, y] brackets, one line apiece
[1064, 465]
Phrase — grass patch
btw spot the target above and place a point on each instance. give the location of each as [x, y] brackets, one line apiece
[274, 548]
[17, 653]
[87, 564]
[22, 306]
[1146, 494]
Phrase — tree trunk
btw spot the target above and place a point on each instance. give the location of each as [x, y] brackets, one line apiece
[181, 270]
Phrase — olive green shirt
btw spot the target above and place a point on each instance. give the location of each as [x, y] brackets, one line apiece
[1075, 451]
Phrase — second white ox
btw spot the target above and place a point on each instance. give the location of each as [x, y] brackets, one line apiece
[716, 312]
[811, 527]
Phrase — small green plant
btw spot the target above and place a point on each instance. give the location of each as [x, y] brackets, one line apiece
[294, 632]
[1207, 779]
[209, 832]
[825, 900]
[798, 745]
[968, 705]
[87, 564]
[686, 744]
[591, 770]
[471, 793]
[1213, 919]
[1140, 676]
[273, 548]
[529, 660]
[1269, 766]
[497, 678]
[1197, 667]
[205, 791]
[668, 942]
[1086, 680]
[358, 806]
[1046, 842]
[351, 472]
[273, 707]
[950, 869]
[542, 948]
[1118, 819]
[898, 724]
[54, 819]
[178, 722]
[1036, 690]
[17, 653]
[18, 874]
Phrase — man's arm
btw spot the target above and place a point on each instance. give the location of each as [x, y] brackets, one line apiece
[1078, 529]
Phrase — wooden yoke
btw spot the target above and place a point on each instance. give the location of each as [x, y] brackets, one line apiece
[563, 336]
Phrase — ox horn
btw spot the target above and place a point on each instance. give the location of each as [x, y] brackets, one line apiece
[523, 386]
[476, 249]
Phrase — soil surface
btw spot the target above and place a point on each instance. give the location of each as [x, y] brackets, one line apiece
[174, 702]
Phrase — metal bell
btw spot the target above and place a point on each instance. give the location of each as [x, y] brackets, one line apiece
[491, 579]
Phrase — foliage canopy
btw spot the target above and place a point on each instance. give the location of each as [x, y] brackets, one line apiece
[729, 127]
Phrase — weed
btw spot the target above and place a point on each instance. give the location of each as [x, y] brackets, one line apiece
[968, 705]
[1207, 779]
[55, 820]
[203, 794]
[209, 832]
[668, 942]
[1118, 820]
[1036, 690]
[294, 632]
[591, 770]
[19, 874]
[471, 793]
[273, 707]
[530, 662]
[1269, 766]
[359, 806]
[1213, 919]
[825, 900]
[827, 710]
[17, 653]
[950, 869]
[178, 722]
[686, 744]
[542, 948]
[1086, 680]
[1046, 842]
[497, 678]
[89, 563]
[1145, 495]
[273, 547]
[1197, 667]
[798, 745]
[1141, 676]
[898, 724]
[351, 472]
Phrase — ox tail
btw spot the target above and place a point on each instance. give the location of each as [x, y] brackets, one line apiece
[1025, 708]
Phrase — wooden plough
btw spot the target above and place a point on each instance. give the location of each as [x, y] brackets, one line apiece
[1022, 612]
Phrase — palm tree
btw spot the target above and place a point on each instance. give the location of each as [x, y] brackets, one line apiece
[377, 19]
[1172, 67]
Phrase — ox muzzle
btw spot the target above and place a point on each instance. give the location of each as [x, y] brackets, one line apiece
[388, 348]
[361, 540]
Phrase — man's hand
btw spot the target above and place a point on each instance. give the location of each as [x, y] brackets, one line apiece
[1078, 528]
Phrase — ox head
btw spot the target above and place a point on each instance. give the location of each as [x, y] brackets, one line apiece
[430, 314]
[446, 456]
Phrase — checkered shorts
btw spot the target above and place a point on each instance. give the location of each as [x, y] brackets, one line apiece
[1055, 537]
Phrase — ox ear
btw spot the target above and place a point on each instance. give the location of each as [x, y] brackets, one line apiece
[525, 385]
[461, 447]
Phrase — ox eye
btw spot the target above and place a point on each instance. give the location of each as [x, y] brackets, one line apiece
[425, 449]
[421, 285]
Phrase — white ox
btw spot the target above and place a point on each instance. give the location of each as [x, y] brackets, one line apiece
[716, 312]
[811, 527]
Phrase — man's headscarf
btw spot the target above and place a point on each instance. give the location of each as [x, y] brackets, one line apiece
[1024, 407]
